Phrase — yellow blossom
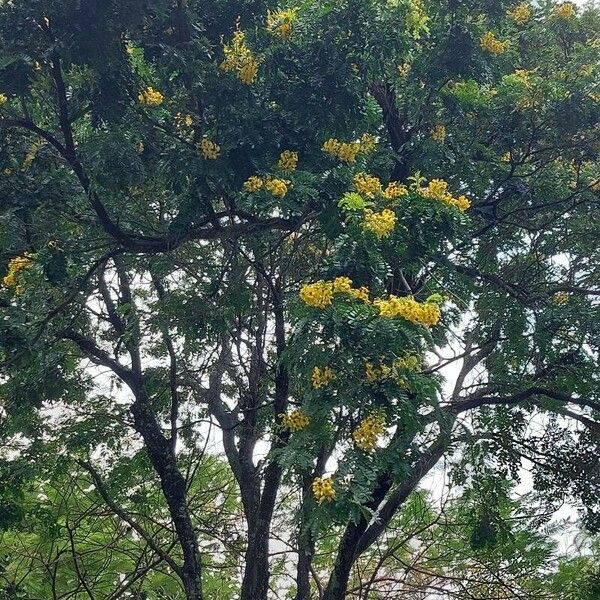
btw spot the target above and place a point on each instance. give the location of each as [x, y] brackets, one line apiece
[566, 10]
[490, 43]
[520, 14]
[323, 489]
[369, 185]
[247, 74]
[253, 184]
[438, 133]
[288, 160]
[410, 362]
[209, 149]
[368, 432]
[296, 420]
[560, 298]
[15, 266]
[3, 99]
[280, 22]
[342, 284]
[239, 59]
[318, 294]
[404, 69]
[277, 187]
[421, 313]
[375, 374]
[395, 190]
[322, 377]
[367, 143]
[381, 224]
[150, 97]
[437, 189]
[344, 151]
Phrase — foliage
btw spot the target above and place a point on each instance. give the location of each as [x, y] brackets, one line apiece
[202, 203]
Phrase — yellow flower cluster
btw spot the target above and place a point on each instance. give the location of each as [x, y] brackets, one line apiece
[520, 14]
[296, 420]
[367, 434]
[322, 377]
[151, 97]
[275, 186]
[323, 489]
[288, 160]
[253, 184]
[404, 69]
[209, 149]
[3, 99]
[347, 151]
[421, 313]
[490, 43]
[395, 190]
[566, 10]
[369, 185]
[437, 189]
[381, 224]
[15, 266]
[239, 59]
[320, 293]
[280, 22]
[560, 298]
[438, 133]
[375, 373]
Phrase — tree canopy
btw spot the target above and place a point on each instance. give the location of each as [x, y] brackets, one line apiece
[265, 266]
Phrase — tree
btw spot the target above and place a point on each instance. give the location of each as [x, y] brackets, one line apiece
[215, 217]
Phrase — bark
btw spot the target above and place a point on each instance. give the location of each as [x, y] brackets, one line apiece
[162, 457]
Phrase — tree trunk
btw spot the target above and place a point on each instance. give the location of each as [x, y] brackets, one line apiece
[173, 485]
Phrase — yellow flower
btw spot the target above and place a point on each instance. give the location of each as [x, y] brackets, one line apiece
[406, 307]
[520, 14]
[437, 189]
[404, 69]
[249, 71]
[374, 374]
[296, 420]
[322, 377]
[367, 143]
[369, 185]
[410, 362]
[253, 184]
[367, 434]
[239, 59]
[277, 187]
[438, 133]
[280, 22]
[381, 224]
[318, 294]
[3, 99]
[344, 151]
[150, 97]
[490, 43]
[209, 149]
[288, 161]
[15, 266]
[323, 489]
[462, 203]
[566, 10]
[342, 284]
[560, 298]
[395, 190]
